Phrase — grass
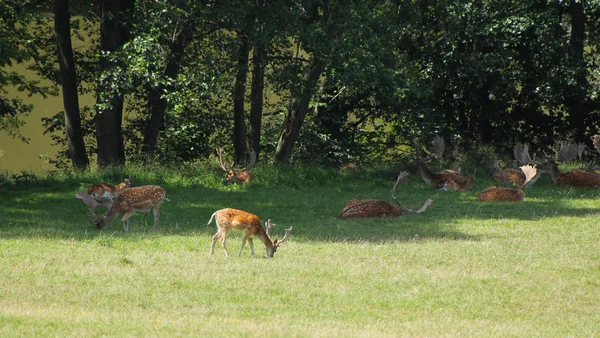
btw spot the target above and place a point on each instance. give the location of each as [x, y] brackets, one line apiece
[462, 268]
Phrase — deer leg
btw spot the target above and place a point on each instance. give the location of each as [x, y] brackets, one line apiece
[214, 241]
[156, 218]
[243, 243]
[125, 220]
[223, 240]
[251, 245]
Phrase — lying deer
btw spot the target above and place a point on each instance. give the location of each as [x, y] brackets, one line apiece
[447, 179]
[144, 199]
[512, 175]
[233, 219]
[372, 208]
[239, 176]
[573, 178]
[508, 194]
[102, 194]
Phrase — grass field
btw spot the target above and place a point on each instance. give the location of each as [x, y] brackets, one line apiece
[462, 268]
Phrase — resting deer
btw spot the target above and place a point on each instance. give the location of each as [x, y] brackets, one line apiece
[233, 219]
[443, 177]
[234, 175]
[102, 194]
[572, 178]
[144, 199]
[512, 175]
[372, 208]
[508, 194]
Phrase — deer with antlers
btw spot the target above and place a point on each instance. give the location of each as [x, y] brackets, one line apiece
[102, 194]
[374, 208]
[512, 175]
[508, 194]
[233, 219]
[238, 176]
[445, 179]
[144, 199]
[573, 178]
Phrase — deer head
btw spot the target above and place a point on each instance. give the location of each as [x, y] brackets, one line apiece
[233, 219]
[237, 175]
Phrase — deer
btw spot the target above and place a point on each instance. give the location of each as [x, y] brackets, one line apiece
[102, 194]
[441, 178]
[144, 199]
[572, 178]
[375, 208]
[508, 194]
[234, 219]
[239, 176]
[512, 175]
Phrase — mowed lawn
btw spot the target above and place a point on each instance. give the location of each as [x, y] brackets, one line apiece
[462, 268]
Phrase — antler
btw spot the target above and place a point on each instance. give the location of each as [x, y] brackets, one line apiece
[566, 153]
[221, 162]
[268, 226]
[438, 145]
[580, 150]
[287, 232]
[88, 200]
[529, 172]
[401, 176]
[423, 208]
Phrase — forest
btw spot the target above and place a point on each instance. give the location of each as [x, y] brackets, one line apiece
[302, 81]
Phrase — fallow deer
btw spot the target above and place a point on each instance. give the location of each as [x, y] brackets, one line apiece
[233, 219]
[441, 178]
[373, 208]
[103, 194]
[238, 176]
[573, 178]
[143, 199]
[450, 183]
[512, 175]
[508, 194]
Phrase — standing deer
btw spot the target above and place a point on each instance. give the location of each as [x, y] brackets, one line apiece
[234, 175]
[508, 194]
[102, 194]
[512, 175]
[572, 178]
[144, 199]
[372, 208]
[233, 219]
[445, 179]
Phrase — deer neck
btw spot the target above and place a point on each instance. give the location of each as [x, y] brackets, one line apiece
[425, 172]
[554, 173]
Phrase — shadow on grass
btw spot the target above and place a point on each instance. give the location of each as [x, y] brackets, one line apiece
[53, 212]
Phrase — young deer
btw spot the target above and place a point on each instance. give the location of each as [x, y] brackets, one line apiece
[508, 194]
[144, 199]
[373, 208]
[512, 175]
[102, 194]
[573, 178]
[238, 176]
[233, 219]
[445, 179]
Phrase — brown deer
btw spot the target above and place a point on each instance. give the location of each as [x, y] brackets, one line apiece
[143, 199]
[508, 194]
[512, 175]
[441, 178]
[103, 194]
[233, 219]
[572, 178]
[373, 208]
[238, 176]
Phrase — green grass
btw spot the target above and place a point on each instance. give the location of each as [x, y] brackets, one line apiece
[462, 268]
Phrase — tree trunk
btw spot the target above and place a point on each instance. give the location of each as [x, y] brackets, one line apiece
[293, 121]
[114, 32]
[68, 78]
[259, 59]
[156, 102]
[239, 91]
[575, 95]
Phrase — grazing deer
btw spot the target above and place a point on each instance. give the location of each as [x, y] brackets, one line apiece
[512, 175]
[102, 194]
[144, 199]
[573, 178]
[508, 194]
[235, 175]
[233, 219]
[372, 208]
[441, 178]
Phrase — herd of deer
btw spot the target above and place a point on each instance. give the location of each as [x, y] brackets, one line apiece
[127, 200]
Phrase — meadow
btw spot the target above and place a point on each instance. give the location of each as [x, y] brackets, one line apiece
[462, 268]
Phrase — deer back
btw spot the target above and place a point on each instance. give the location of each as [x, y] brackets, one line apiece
[230, 218]
[370, 208]
[501, 194]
